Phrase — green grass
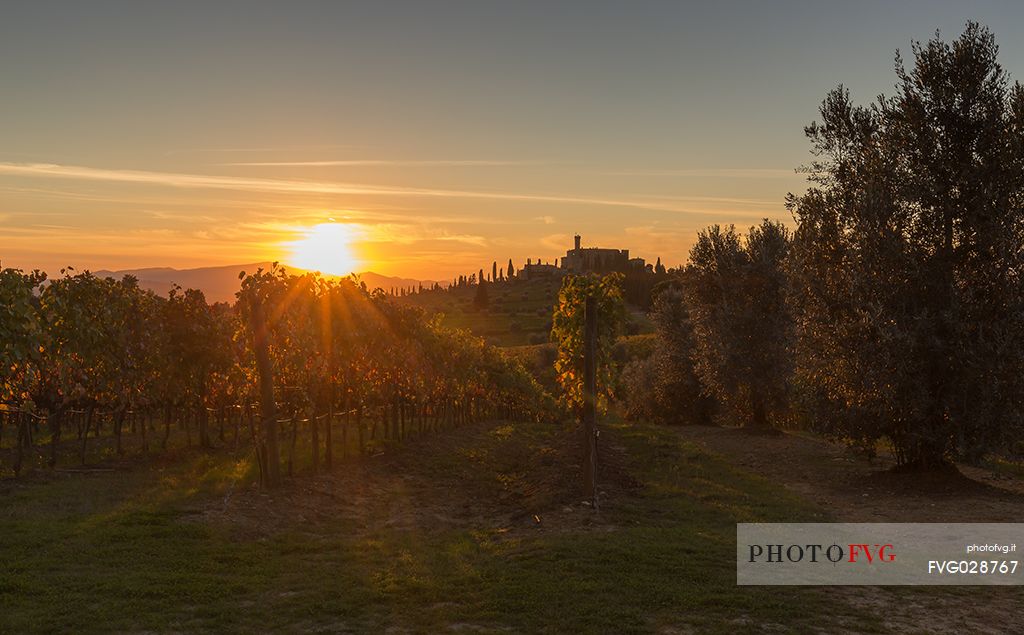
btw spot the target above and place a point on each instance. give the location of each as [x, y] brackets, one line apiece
[127, 551]
[519, 312]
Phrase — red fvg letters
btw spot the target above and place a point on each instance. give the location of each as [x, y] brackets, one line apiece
[879, 552]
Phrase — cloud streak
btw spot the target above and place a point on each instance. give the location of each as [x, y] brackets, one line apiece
[378, 163]
[295, 186]
[266, 149]
[727, 200]
[739, 173]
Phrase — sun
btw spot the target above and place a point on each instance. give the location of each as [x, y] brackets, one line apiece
[326, 248]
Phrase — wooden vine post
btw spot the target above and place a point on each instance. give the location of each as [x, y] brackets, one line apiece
[268, 409]
[590, 400]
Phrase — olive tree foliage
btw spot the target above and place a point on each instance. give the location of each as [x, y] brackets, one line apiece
[907, 262]
[678, 395]
[636, 390]
[734, 289]
[567, 332]
[663, 385]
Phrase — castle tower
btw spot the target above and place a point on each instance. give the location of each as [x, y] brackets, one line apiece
[577, 242]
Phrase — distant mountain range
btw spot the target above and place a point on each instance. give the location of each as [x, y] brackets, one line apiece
[219, 284]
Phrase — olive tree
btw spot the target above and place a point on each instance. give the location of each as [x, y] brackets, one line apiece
[678, 395]
[908, 257]
[735, 294]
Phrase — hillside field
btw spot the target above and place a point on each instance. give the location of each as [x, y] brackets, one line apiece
[518, 313]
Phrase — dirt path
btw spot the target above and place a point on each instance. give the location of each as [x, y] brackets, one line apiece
[852, 489]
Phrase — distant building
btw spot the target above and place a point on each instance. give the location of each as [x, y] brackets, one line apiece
[598, 260]
[639, 264]
[535, 270]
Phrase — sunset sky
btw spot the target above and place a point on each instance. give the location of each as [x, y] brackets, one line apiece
[446, 135]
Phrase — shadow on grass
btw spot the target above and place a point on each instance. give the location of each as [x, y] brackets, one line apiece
[124, 551]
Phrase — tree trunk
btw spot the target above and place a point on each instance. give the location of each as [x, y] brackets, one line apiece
[401, 417]
[314, 428]
[146, 419]
[54, 419]
[203, 415]
[258, 447]
[346, 422]
[22, 434]
[291, 446]
[118, 423]
[359, 428]
[90, 414]
[167, 427]
[329, 436]
[759, 418]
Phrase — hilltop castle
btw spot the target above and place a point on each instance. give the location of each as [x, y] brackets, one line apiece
[598, 260]
[588, 260]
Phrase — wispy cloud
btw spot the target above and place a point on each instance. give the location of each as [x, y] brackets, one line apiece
[728, 200]
[378, 163]
[547, 220]
[295, 186]
[468, 239]
[741, 173]
[413, 234]
[173, 179]
[653, 231]
[266, 149]
[187, 218]
[265, 202]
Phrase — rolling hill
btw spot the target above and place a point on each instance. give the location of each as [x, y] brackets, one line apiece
[219, 284]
